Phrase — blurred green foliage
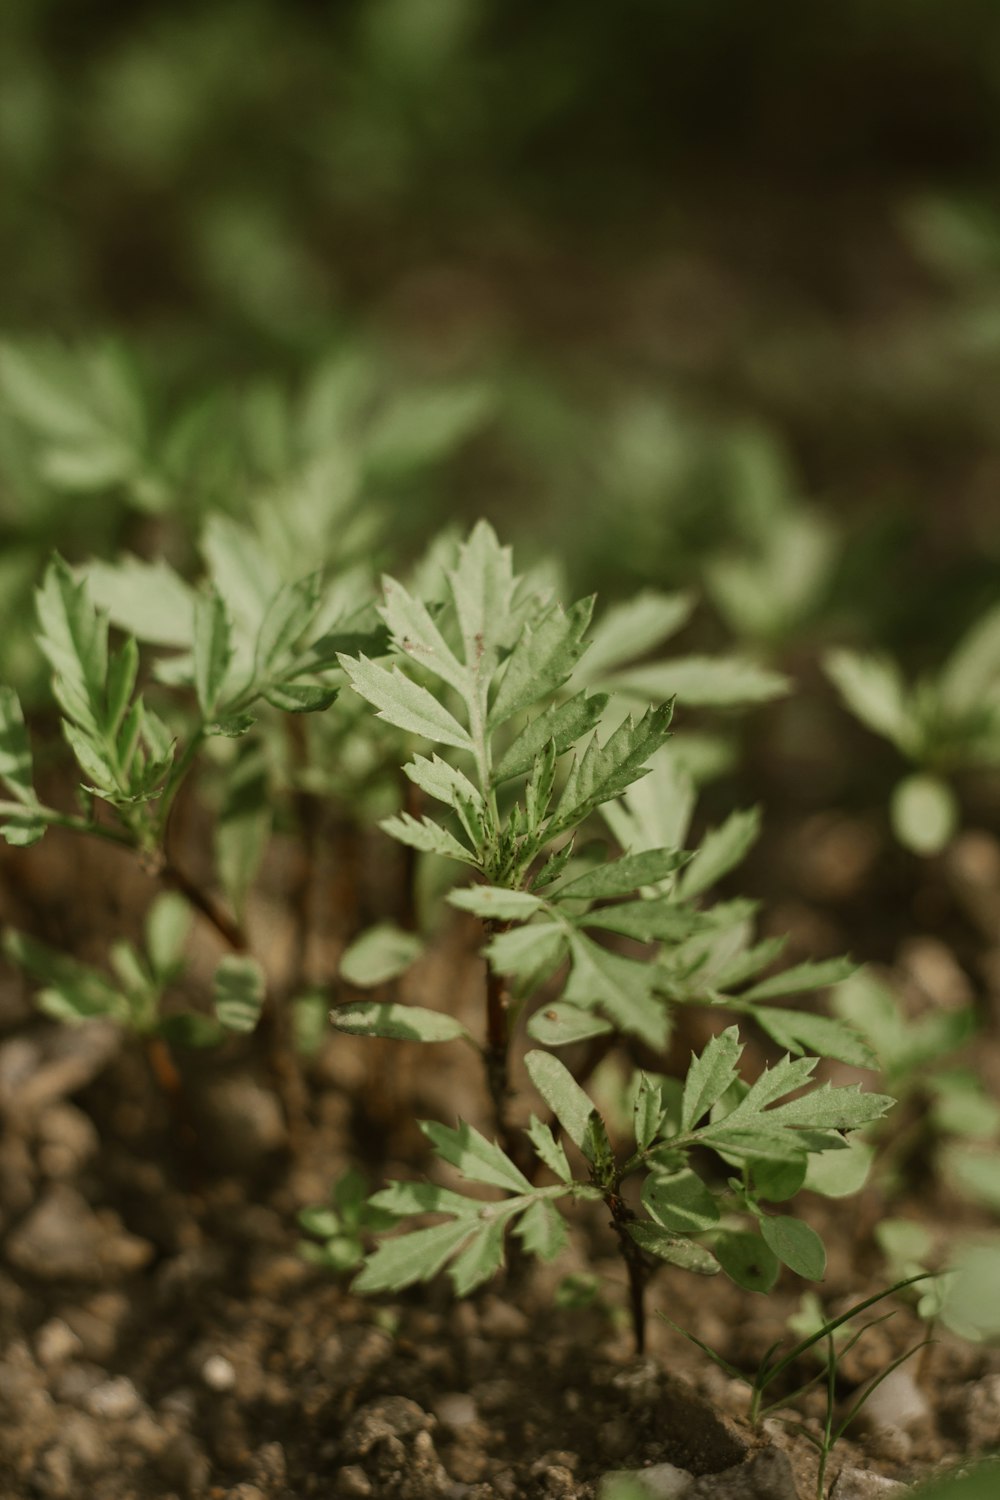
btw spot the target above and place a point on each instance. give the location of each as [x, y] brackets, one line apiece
[630, 278]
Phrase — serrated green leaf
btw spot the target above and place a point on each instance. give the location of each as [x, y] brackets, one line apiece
[822, 1035]
[404, 703]
[416, 636]
[288, 616]
[148, 600]
[744, 965]
[802, 977]
[494, 904]
[243, 570]
[830, 1108]
[238, 992]
[564, 1096]
[654, 813]
[560, 1024]
[873, 689]
[422, 834]
[123, 669]
[542, 1229]
[480, 1259]
[404, 1198]
[405, 1023]
[659, 920]
[709, 1076]
[482, 587]
[647, 1112]
[703, 682]
[212, 650]
[747, 1260]
[15, 750]
[74, 640]
[548, 1150]
[676, 1251]
[680, 1201]
[629, 630]
[381, 953]
[622, 987]
[773, 1083]
[720, 851]
[620, 877]
[93, 760]
[543, 658]
[796, 1245]
[526, 950]
[443, 782]
[408, 1258]
[605, 771]
[478, 1159]
[560, 725]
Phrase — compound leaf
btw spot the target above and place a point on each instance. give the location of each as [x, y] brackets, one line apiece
[720, 851]
[564, 1096]
[709, 1076]
[620, 877]
[478, 1159]
[407, 1258]
[543, 658]
[404, 703]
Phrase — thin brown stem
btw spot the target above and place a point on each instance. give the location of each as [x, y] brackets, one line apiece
[496, 1053]
[204, 902]
[635, 1265]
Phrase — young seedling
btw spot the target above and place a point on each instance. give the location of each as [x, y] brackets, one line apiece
[239, 649]
[832, 1349]
[943, 724]
[945, 1111]
[499, 657]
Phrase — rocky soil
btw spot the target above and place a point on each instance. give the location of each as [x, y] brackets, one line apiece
[163, 1338]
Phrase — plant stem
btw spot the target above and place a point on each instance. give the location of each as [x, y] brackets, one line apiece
[635, 1265]
[498, 1044]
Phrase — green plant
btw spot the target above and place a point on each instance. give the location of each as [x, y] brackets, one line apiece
[343, 1226]
[229, 655]
[945, 1113]
[483, 672]
[946, 722]
[832, 1338]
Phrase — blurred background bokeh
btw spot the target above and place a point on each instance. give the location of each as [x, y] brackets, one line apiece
[689, 293]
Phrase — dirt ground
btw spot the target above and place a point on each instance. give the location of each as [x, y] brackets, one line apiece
[163, 1337]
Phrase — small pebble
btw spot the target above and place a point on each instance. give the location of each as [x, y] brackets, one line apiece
[352, 1481]
[218, 1373]
[55, 1342]
[862, 1484]
[897, 1403]
[455, 1410]
[114, 1400]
